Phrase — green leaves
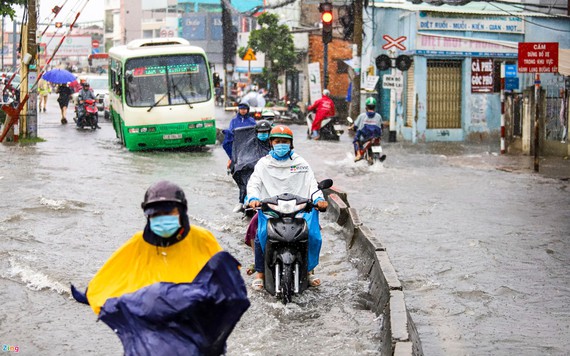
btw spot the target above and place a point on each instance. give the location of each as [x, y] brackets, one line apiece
[7, 7]
[276, 42]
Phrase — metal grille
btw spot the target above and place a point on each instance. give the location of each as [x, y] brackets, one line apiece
[444, 94]
[556, 120]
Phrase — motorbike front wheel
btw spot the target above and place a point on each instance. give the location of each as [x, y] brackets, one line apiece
[287, 284]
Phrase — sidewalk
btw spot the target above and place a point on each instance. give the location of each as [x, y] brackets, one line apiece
[488, 156]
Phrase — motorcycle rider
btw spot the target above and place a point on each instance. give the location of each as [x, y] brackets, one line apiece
[368, 125]
[281, 171]
[155, 270]
[252, 145]
[84, 94]
[268, 115]
[242, 119]
[324, 108]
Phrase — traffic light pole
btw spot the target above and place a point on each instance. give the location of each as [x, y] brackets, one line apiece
[326, 64]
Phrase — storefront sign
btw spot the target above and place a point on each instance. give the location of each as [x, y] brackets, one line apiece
[440, 22]
[482, 75]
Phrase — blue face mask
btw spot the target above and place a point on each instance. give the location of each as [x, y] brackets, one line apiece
[263, 136]
[281, 149]
[165, 225]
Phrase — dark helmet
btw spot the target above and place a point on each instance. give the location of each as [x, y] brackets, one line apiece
[243, 105]
[163, 196]
[263, 126]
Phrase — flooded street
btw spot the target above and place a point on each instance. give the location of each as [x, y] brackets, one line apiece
[483, 253]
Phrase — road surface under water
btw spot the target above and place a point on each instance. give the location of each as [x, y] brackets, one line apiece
[482, 253]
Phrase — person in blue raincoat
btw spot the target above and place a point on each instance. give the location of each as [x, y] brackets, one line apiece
[242, 119]
[170, 289]
[284, 171]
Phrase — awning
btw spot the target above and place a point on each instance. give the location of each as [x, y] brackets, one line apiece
[564, 61]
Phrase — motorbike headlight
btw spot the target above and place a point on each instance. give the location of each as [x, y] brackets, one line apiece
[287, 206]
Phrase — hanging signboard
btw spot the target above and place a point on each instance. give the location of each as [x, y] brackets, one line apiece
[482, 75]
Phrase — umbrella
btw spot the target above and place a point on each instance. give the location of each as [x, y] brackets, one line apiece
[59, 76]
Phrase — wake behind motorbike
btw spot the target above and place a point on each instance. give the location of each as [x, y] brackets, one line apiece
[287, 244]
[330, 129]
[87, 115]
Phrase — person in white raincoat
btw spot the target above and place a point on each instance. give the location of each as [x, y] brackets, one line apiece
[281, 171]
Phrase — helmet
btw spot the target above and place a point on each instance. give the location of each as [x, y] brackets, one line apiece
[163, 196]
[268, 114]
[326, 92]
[263, 126]
[370, 102]
[243, 105]
[281, 131]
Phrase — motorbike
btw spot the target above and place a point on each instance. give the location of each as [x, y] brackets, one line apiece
[293, 113]
[330, 129]
[287, 243]
[371, 149]
[88, 115]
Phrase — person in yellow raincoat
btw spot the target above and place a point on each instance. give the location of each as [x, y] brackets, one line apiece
[167, 284]
[44, 89]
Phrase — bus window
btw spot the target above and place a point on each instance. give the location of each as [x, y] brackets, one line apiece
[167, 80]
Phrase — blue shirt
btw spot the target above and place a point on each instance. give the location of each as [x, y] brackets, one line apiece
[237, 122]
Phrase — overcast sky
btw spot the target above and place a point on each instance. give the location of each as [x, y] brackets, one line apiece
[93, 11]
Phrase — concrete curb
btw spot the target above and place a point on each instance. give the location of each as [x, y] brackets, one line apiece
[399, 335]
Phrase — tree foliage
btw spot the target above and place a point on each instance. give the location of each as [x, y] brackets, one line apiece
[277, 43]
[7, 7]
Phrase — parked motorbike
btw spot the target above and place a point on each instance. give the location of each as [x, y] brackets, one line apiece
[330, 129]
[371, 149]
[293, 114]
[86, 115]
[287, 244]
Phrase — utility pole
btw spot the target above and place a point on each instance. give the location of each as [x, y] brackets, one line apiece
[28, 73]
[356, 55]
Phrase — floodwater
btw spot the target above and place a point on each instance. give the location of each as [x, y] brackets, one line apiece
[482, 252]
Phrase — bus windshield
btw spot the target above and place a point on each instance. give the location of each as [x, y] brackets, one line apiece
[167, 80]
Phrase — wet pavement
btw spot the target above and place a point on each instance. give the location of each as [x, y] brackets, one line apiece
[479, 241]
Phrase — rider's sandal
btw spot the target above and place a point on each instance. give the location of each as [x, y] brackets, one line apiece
[257, 284]
[314, 281]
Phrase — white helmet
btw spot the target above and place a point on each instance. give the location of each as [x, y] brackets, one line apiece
[326, 92]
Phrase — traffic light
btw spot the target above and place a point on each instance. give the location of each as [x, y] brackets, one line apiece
[383, 62]
[58, 24]
[326, 19]
[403, 62]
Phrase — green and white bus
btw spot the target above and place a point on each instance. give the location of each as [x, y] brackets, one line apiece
[161, 94]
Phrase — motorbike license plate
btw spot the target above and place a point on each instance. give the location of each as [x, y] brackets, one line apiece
[172, 136]
[338, 127]
[377, 149]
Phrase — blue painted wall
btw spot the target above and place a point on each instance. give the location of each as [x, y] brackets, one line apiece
[480, 113]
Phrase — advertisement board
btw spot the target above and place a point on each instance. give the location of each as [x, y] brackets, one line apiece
[482, 75]
[73, 45]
